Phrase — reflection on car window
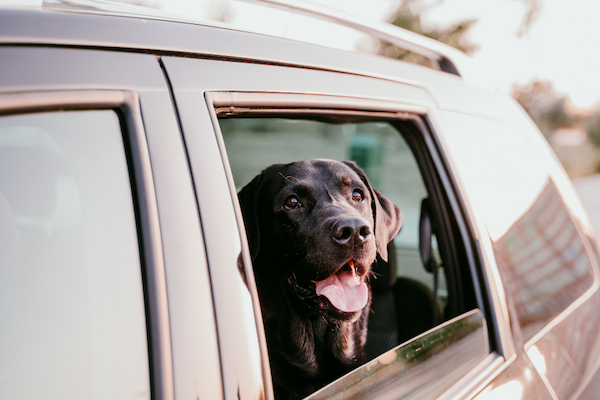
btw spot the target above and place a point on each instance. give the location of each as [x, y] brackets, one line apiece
[71, 299]
[421, 369]
[543, 262]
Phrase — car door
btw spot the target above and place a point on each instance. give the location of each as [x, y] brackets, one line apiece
[238, 117]
[537, 234]
[105, 291]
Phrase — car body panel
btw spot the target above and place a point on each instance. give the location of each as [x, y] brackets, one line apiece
[192, 80]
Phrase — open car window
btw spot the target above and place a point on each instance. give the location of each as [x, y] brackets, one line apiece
[423, 303]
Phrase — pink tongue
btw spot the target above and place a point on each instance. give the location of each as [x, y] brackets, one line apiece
[344, 290]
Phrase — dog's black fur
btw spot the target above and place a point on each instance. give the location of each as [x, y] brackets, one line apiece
[305, 221]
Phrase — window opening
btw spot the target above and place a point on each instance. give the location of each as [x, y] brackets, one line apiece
[406, 299]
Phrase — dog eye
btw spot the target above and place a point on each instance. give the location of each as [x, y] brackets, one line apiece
[357, 195]
[292, 202]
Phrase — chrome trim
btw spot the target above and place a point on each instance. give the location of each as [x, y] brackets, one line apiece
[445, 56]
[301, 100]
[283, 112]
[127, 102]
[296, 103]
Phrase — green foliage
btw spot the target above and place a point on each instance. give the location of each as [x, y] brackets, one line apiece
[408, 16]
[547, 108]
[593, 128]
[533, 12]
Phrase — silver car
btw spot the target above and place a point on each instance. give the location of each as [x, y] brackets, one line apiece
[124, 139]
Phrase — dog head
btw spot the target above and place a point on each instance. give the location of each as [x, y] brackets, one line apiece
[317, 226]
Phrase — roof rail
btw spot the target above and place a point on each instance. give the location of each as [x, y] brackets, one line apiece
[444, 55]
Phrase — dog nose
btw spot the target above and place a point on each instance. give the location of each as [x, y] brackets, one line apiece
[351, 231]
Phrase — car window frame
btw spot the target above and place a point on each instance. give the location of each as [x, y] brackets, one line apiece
[276, 103]
[126, 104]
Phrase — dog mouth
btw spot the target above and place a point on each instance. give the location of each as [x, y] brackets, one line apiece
[344, 289]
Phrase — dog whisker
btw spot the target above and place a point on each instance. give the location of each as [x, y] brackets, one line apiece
[288, 178]
[372, 274]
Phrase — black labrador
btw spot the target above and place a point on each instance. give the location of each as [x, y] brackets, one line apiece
[314, 229]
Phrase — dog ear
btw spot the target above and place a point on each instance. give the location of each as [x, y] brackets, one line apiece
[387, 216]
[249, 203]
[388, 221]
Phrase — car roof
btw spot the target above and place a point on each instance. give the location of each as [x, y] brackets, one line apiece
[110, 26]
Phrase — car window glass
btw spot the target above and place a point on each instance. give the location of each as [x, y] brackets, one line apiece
[402, 373]
[541, 258]
[544, 262]
[499, 169]
[404, 302]
[71, 297]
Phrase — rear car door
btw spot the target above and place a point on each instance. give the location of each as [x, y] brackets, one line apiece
[237, 118]
[104, 286]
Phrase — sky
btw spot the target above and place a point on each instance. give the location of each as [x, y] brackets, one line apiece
[560, 46]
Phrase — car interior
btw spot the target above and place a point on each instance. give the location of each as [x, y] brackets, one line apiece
[426, 280]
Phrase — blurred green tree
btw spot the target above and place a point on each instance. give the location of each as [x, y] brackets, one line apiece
[547, 108]
[593, 127]
[408, 15]
[532, 12]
